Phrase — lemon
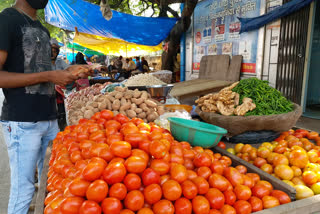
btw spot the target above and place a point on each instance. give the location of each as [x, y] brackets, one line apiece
[231, 150]
[316, 188]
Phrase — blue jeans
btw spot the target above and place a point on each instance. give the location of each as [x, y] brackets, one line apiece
[27, 143]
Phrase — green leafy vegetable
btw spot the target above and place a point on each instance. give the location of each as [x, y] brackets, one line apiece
[267, 99]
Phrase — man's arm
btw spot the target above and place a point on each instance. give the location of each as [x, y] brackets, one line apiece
[16, 80]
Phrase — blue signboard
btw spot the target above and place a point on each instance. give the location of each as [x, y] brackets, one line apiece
[216, 31]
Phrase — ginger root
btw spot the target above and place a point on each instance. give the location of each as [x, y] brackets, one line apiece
[247, 105]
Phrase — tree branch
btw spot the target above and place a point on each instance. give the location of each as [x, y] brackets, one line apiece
[143, 1]
[173, 12]
[153, 9]
[115, 6]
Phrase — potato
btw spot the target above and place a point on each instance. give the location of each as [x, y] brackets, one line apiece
[83, 109]
[94, 104]
[128, 94]
[120, 89]
[109, 105]
[142, 115]
[150, 103]
[152, 117]
[133, 106]
[95, 110]
[102, 105]
[161, 110]
[116, 105]
[123, 112]
[136, 93]
[144, 107]
[118, 95]
[88, 114]
[113, 93]
[138, 110]
[144, 95]
[89, 107]
[137, 101]
[123, 101]
[111, 98]
[131, 113]
[125, 107]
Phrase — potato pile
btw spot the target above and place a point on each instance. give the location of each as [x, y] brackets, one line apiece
[131, 103]
[226, 102]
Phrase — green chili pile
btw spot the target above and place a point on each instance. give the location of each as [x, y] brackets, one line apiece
[267, 99]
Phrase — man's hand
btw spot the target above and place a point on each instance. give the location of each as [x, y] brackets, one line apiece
[61, 77]
[82, 71]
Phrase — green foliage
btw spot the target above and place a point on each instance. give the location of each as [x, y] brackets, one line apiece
[5, 4]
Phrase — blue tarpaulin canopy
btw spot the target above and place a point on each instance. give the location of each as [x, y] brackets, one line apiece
[248, 24]
[68, 14]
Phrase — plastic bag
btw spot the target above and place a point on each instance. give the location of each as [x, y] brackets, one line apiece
[163, 119]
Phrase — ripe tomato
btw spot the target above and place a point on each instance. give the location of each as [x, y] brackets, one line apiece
[97, 191]
[121, 149]
[242, 192]
[121, 118]
[132, 181]
[114, 138]
[129, 128]
[111, 205]
[71, 205]
[134, 200]
[202, 159]
[266, 184]
[183, 206]
[171, 190]
[242, 207]
[254, 176]
[227, 209]
[219, 182]
[191, 174]
[163, 207]
[106, 114]
[155, 135]
[204, 172]
[178, 173]
[52, 195]
[134, 139]
[233, 175]
[260, 191]
[118, 190]
[90, 207]
[78, 187]
[259, 162]
[200, 205]
[214, 211]
[150, 176]
[269, 202]
[188, 163]
[145, 210]
[226, 160]
[222, 145]
[256, 204]
[217, 167]
[54, 205]
[117, 160]
[189, 189]
[126, 211]
[158, 149]
[163, 179]
[135, 164]
[242, 169]
[312, 135]
[92, 171]
[106, 154]
[230, 197]
[144, 145]
[216, 198]
[202, 185]
[75, 156]
[160, 166]
[114, 173]
[152, 193]
[281, 196]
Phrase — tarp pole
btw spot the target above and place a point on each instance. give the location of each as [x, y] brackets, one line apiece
[182, 53]
[126, 50]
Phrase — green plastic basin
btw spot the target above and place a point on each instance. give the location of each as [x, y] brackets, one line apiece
[195, 132]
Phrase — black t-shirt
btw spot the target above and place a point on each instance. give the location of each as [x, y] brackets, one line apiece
[28, 45]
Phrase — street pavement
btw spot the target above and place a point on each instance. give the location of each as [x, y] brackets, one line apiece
[4, 169]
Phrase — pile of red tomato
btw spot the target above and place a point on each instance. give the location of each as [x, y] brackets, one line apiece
[110, 164]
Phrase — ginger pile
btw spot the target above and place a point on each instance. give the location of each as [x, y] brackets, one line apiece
[226, 102]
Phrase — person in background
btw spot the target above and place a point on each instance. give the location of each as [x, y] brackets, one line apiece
[144, 64]
[80, 59]
[29, 111]
[119, 64]
[88, 60]
[138, 64]
[57, 63]
[129, 67]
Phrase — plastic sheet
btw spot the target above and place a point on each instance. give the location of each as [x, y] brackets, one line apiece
[248, 24]
[111, 46]
[68, 14]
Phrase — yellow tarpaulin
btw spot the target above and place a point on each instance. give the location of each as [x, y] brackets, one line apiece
[110, 46]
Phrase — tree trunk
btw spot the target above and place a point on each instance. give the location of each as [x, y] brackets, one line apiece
[181, 27]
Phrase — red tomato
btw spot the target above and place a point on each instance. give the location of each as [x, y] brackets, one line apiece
[135, 164]
[157, 149]
[111, 205]
[114, 138]
[106, 154]
[52, 195]
[242, 169]
[132, 182]
[227, 209]
[202, 185]
[183, 206]
[150, 176]
[112, 124]
[222, 145]
[281, 196]
[256, 204]
[152, 193]
[107, 114]
[200, 205]
[78, 187]
[163, 207]
[134, 139]
[191, 174]
[204, 172]
[178, 173]
[242, 192]
[233, 175]
[215, 198]
[217, 167]
[248, 181]
[189, 189]
[90, 207]
[160, 166]
[242, 207]
[97, 191]
[171, 190]
[260, 191]
[114, 173]
[202, 159]
[219, 182]
[254, 176]
[312, 135]
[126, 211]
[92, 171]
[121, 149]
[71, 205]
[134, 200]
[214, 211]
[121, 118]
[269, 202]
[188, 163]
[230, 197]
[118, 190]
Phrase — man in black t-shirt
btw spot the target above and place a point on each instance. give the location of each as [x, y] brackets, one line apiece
[29, 112]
